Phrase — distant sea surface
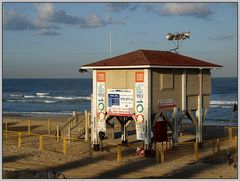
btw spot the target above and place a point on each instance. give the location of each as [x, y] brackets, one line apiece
[63, 96]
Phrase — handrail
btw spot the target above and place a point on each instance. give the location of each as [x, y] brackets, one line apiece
[69, 121]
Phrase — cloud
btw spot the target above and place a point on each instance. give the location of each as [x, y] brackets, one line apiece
[198, 10]
[47, 18]
[16, 21]
[118, 7]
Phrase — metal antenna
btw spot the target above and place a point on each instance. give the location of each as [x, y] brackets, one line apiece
[110, 44]
[177, 39]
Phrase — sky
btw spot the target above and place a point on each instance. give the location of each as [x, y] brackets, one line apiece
[53, 40]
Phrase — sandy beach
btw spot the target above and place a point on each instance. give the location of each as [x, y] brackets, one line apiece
[28, 161]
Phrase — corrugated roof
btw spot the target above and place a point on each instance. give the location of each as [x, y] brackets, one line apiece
[151, 58]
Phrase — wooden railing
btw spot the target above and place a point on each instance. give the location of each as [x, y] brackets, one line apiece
[76, 126]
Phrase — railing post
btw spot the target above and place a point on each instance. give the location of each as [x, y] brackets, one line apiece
[69, 133]
[235, 144]
[218, 145]
[49, 126]
[196, 151]
[29, 127]
[90, 148]
[19, 139]
[64, 146]
[86, 125]
[40, 142]
[230, 137]
[57, 133]
[6, 130]
[119, 154]
[74, 115]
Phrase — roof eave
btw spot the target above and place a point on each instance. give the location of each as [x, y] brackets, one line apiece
[149, 66]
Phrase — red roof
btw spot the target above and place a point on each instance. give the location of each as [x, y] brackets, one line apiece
[151, 58]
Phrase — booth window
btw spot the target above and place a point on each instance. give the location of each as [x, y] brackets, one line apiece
[167, 81]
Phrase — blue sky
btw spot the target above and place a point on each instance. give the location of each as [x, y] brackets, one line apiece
[52, 40]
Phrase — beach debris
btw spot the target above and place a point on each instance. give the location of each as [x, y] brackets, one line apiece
[140, 151]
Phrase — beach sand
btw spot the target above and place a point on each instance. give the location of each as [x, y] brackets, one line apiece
[28, 161]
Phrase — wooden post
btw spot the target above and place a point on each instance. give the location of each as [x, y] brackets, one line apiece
[90, 148]
[162, 155]
[113, 134]
[19, 139]
[6, 130]
[196, 151]
[57, 134]
[86, 125]
[119, 154]
[157, 156]
[230, 137]
[40, 142]
[218, 145]
[69, 133]
[29, 127]
[64, 146]
[235, 144]
[49, 126]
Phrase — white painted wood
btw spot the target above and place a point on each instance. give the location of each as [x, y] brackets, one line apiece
[147, 107]
[199, 113]
[94, 110]
[184, 90]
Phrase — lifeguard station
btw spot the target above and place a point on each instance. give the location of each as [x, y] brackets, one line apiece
[143, 85]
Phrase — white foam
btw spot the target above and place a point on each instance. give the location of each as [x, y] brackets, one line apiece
[222, 102]
[42, 93]
[29, 96]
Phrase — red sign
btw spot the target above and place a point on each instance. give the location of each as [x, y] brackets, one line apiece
[101, 76]
[139, 77]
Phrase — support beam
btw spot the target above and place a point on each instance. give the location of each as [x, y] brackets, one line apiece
[175, 125]
[166, 118]
[94, 133]
[147, 110]
[192, 118]
[199, 112]
[184, 91]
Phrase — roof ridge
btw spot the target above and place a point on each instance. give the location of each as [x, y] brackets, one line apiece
[145, 58]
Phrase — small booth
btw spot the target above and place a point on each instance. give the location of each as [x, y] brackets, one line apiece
[145, 86]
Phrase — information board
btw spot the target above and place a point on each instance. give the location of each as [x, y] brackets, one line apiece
[120, 102]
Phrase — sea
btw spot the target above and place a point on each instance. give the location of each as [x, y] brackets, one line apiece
[37, 97]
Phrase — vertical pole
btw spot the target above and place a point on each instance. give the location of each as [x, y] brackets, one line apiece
[162, 155]
[147, 110]
[113, 130]
[184, 92]
[196, 151]
[19, 139]
[69, 133]
[74, 120]
[230, 137]
[64, 146]
[29, 127]
[6, 129]
[90, 148]
[86, 125]
[175, 125]
[49, 126]
[218, 145]
[57, 133]
[41, 142]
[199, 110]
[119, 155]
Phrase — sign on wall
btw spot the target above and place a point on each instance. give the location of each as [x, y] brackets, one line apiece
[166, 103]
[120, 102]
[139, 105]
[101, 78]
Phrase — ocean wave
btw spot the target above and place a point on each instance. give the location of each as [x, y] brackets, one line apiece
[26, 96]
[15, 95]
[217, 102]
[42, 93]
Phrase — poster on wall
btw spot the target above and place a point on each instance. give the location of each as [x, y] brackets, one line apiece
[101, 78]
[139, 105]
[120, 102]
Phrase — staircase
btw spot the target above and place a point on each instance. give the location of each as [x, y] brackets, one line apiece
[75, 126]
